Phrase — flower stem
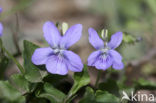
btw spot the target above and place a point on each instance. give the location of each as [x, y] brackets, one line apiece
[98, 78]
[16, 62]
[108, 73]
[1, 50]
[69, 97]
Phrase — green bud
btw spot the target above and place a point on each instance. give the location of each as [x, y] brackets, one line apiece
[64, 27]
[104, 34]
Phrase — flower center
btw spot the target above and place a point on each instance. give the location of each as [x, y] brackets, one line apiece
[105, 51]
[58, 51]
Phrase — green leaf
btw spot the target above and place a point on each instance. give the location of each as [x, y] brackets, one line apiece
[3, 50]
[3, 64]
[34, 73]
[111, 86]
[145, 84]
[80, 79]
[48, 96]
[105, 97]
[89, 96]
[151, 4]
[20, 83]
[54, 79]
[128, 38]
[9, 93]
[14, 60]
[52, 94]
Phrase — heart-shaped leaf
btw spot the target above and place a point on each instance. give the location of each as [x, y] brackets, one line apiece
[33, 72]
[20, 83]
[52, 94]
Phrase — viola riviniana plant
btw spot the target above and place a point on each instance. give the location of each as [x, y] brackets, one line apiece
[105, 55]
[1, 26]
[57, 59]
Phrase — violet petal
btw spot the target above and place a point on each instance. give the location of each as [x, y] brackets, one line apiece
[118, 65]
[41, 55]
[73, 61]
[1, 10]
[71, 36]
[51, 34]
[56, 65]
[117, 59]
[116, 56]
[92, 58]
[103, 63]
[94, 39]
[1, 29]
[116, 40]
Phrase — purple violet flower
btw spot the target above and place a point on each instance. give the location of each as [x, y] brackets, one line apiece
[57, 58]
[0, 10]
[105, 56]
[1, 26]
[1, 29]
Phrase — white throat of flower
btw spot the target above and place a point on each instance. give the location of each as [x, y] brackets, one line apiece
[58, 51]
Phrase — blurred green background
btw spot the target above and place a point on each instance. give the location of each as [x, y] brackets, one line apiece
[23, 19]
